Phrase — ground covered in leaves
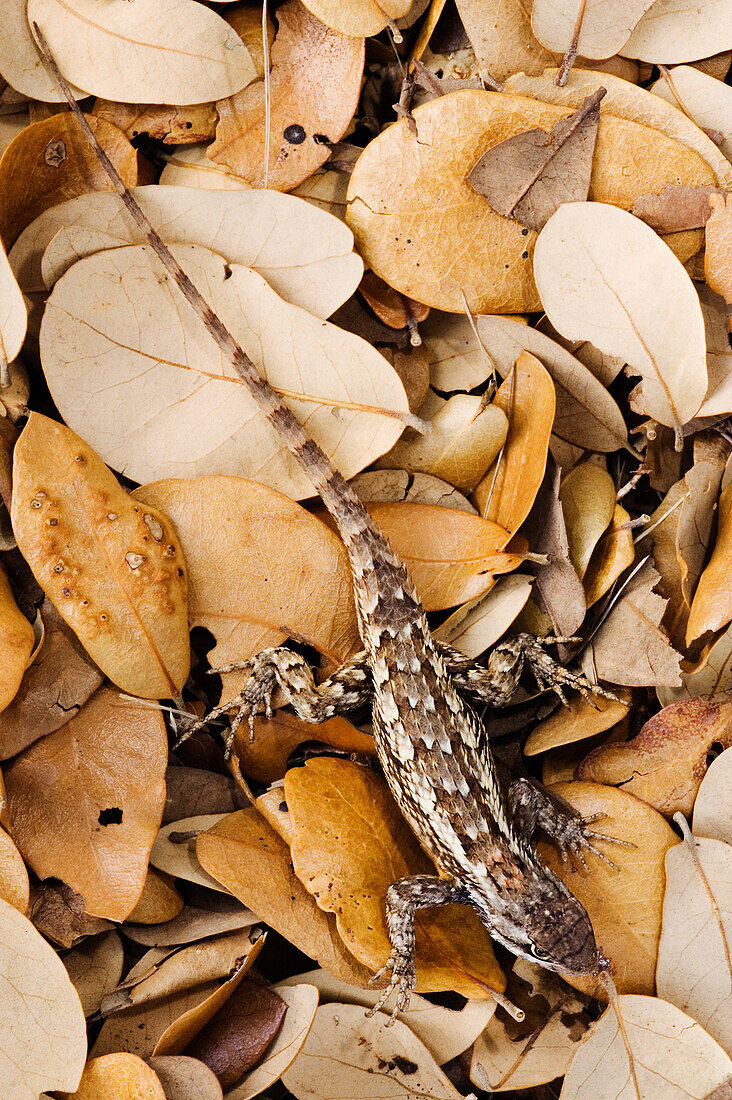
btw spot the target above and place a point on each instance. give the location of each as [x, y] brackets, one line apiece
[511, 226]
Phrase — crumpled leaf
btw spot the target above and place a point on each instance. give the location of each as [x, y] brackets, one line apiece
[630, 648]
[710, 677]
[43, 1026]
[580, 719]
[78, 809]
[605, 276]
[214, 914]
[717, 264]
[14, 885]
[178, 50]
[587, 496]
[17, 642]
[53, 688]
[315, 83]
[528, 176]
[95, 968]
[476, 625]
[624, 905]
[658, 1052]
[244, 854]
[614, 552]
[604, 28]
[185, 1078]
[115, 308]
[50, 161]
[192, 791]
[674, 32]
[348, 1054]
[349, 845]
[390, 486]
[676, 208]
[120, 1075]
[169, 124]
[707, 101]
[114, 570]
[509, 487]
[694, 970]
[665, 763]
[358, 18]
[58, 913]
[713, 805]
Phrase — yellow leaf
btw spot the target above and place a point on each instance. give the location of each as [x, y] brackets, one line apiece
[159, 900]
[358, 18]
[16, 643]
[582, 718]
[14, 885]
[119, 1076]
[587, 496]
[717, 262]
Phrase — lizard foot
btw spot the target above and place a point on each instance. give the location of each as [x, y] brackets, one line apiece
[551, 676]
[403, 980]
[254, 698]
[574, 838]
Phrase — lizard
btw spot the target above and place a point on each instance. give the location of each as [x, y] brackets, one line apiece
[431, 745]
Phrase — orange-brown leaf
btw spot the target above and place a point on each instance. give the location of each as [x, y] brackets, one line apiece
[718, 252]
[265, 758]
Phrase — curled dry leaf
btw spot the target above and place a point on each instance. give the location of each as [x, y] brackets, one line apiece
[517, 1055]
[53, 689]
[558, 589]
[58, 912]
[466, 435]
[694, 968]
[479, 623]
[114, 570]
[674, 32]
[174, 850]
[603, 27]
[177, 50]
[115, 308]
[389, 305]
[16, 643]
[446, 1032]
[346, 1053]
[713, 805]
[349, 845]
[246, 856]
[500, 33]
[159, 901]
[509, 487]
[717, 266]
[582, 718]
[587, 496]
[304, 254]
[711, 608]
[185, 1078]
[191, 791]
[605, 276]
[50, 161]
[171, 125]
[78, 809]
[625, 903]
[359, 18]
[314, 86]
[14, 885]
[666, 762]
[95, 968]
[123, 1075]
[265, 758]
[706, 100]
[43, 1026]
[615, 551]
[427, 233]
[653, 1048]
[217, 913]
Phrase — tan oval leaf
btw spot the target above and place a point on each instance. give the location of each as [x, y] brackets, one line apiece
[118, 1075]
[115, 308]
[350, 844]
[78, 808]
[16, 643]
[50, 161]
[159, 901]
[500, 33]
[665, 763]
[13, 319]
[718, 234]
[389, 486]
[605, 26]
[624, 905]
[220, 914]
[113, 569]
[614, 552]
[174, 850]
[478, 624]
[358, 18]
[315, 83]
[604, 276]
[43, 1026]
[185, 1078]
[14, 885]
[587, 496]
[21, 64]
[713, 805]
[706, 100]
[177, 50]
[674, 32]
[95, 968]
[265, 758]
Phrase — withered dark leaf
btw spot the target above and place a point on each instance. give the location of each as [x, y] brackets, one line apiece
[58, 912]
[676, 208]
[528, 176]
[558, 589]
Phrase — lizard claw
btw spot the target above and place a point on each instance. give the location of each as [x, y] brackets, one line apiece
[576, 838]
[403, 980]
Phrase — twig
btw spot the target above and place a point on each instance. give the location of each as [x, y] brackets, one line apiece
[569, 57]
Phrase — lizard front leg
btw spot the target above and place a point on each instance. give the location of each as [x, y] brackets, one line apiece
[403, 899]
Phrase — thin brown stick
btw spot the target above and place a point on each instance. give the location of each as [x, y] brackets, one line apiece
[569, 57]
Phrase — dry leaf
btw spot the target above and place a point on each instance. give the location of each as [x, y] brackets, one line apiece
[21, 64]
[50, 161]
[43, 1026]
[245, 854]
[446, 1032]
[508, 489]
[614, 552]
[265, 758]
[53, 689]
[124, 1076]
[174, 850]
[185, 1078]
[171, 125]
[392, 308]
[17, 642]
[95, 968]
[694, 969]
[587, 496]
[177, 50]
[215, 914]
[304, 254]
[706, 100]
[465, 437]
[78, 809]
[191, 791]
[349, 846]
[191, 168]
[388, 486]
[673, 32]
[558, 589]
[159, 901]
[517, 1055]
[315, 83]
[359, 18]
[427, 233]
[646, 1048]
[713, 805]
[710, 677]
[347, 1054]
[665, 763]
[528, 176]
[582, 718]
[115, 308]
[717, 265]
[500, 33]
[14, 885]
[13, 319]
[58, 912]
[630, 648]
[605, 276]
[625, 903]
[711, 608]
[114, 570]
[478, 624]
[676, 208]
[604, 27]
